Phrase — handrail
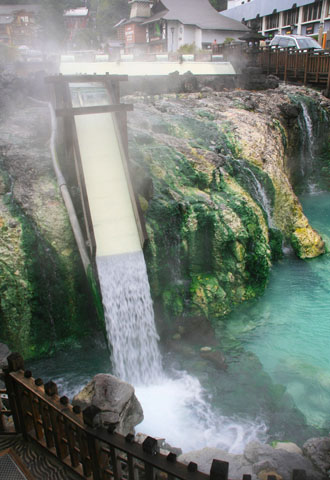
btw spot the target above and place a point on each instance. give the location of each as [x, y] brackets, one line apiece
[307, 67]
[96, 454]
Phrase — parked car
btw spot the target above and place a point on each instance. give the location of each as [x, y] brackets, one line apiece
[299, 42]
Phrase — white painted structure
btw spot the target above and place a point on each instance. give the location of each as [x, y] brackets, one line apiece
[131, 68]
[107, 185]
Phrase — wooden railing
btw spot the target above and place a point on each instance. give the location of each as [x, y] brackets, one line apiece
[96, 454]
[307, 67]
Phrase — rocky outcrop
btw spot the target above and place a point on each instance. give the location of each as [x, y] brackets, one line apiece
[318, 451]
[116, 400]
[258, 460]
[221, 201]
[44, 298]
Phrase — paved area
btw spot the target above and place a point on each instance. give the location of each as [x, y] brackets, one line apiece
[42, 465]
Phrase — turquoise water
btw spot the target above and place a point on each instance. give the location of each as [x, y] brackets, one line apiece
[288, 329]
[277, 384]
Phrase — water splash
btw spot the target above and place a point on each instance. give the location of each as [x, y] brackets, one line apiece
[191, 423]
[130, 318]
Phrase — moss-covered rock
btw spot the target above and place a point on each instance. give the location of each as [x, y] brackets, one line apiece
[222, 201]
[45, 303]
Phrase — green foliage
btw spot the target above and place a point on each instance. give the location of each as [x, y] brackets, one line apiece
[187, 48]
[228, 40]
[86, 38]
[219, 4]
[108, 13]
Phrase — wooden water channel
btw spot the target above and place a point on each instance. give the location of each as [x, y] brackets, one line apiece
[96, 454]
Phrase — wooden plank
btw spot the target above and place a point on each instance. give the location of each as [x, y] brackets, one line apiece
[70, 112]
[85, 78]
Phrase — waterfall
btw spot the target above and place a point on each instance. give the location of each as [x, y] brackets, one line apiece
[129, 318]
[259, 193]
[307, 150]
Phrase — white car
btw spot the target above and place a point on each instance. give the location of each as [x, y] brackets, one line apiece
[299, 42]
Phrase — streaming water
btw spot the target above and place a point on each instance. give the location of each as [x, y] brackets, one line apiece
[258, 191]
[129, 318]
[307, 157]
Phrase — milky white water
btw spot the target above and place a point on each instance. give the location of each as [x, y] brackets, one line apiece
[175, 406]
[129, 318]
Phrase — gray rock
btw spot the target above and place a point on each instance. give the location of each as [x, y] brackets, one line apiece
[116, 400]
[289, 447]
[4, 352]
[318, 451]
[265, 457]
[238, 465]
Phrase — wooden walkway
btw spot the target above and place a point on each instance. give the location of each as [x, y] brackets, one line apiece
[309, 68]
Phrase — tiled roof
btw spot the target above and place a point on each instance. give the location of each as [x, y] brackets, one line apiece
[199, 13]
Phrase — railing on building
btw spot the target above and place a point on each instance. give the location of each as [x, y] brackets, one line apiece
[96, 454]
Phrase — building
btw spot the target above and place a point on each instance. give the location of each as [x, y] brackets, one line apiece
[18, 24]
[166, 25]
[301, 17]
[75, 19]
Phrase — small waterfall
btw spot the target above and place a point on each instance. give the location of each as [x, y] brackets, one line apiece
[307, 150]
[130, 318]
[258, 193]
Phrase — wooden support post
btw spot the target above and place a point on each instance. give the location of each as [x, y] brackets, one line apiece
[70, 435]
[285, 77]
[317, 74]
[306, 68]
[93, 449]
[46, 424]
[327, 90]
[219, 470]
[15, 363]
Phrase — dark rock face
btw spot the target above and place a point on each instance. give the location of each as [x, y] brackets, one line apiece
[290, 112]
[252, 78]
[318, 451]
[116, 400]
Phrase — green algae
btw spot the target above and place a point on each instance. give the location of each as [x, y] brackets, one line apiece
[44, 300]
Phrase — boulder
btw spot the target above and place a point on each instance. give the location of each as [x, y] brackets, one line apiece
[289, 447]
[266, 458]
[116, 400]
[238, 464]
[4, 352]
[318, 451]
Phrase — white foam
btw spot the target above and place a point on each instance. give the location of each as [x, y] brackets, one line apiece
[177, 409]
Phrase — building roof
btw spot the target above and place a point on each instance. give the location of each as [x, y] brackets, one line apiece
[11, 9]
[196, 12]
[250, 10]
[76, 12]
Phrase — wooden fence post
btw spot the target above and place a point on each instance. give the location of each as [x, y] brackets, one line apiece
[219, 470]
[15, 363]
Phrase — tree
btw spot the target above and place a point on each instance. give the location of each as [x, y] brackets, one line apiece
[219, 4]
[108, 13]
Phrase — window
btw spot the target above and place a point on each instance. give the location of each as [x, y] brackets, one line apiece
[290, 17]
[272, 21]
[312, 11]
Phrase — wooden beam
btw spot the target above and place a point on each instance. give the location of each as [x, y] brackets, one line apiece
[71, 112]
[85, 78]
